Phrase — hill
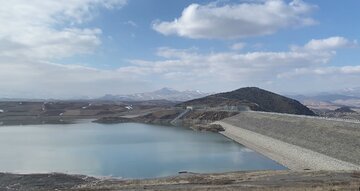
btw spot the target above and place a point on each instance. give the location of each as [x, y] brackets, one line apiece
[345, 109]
[255, 98]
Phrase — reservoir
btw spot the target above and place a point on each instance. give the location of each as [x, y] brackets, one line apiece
[128, 150]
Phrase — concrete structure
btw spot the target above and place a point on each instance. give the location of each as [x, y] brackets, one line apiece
[173, 122]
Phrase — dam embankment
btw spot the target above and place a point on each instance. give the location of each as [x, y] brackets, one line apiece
[298, 142]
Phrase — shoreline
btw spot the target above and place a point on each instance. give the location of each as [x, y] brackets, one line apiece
[289, 155]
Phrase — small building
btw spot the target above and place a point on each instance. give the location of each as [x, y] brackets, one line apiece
[190, 107]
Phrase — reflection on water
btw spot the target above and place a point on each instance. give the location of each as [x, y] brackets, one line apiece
[123, 150]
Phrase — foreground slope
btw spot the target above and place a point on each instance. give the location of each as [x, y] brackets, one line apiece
[255, 98]
[249, 181]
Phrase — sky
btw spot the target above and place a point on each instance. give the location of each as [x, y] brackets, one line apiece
[78, 48]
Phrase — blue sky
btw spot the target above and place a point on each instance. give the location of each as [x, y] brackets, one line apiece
[333, 21]
[94, 47]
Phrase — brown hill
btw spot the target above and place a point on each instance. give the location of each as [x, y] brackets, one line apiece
[255, 98]
[345, 109]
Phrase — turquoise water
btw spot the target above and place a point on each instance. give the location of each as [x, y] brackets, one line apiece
[128, 150]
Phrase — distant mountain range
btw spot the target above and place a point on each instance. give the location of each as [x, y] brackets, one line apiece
[255, 98]
[161, 94]
[325, 97]
[351, 92]
[331, 100]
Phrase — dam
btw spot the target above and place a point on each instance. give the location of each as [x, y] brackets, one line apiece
[298, 142]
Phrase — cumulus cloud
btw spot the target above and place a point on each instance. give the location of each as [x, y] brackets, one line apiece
[330, 70]
[36, 79]
[323, 46]
[131, 23]
[47, 29]
[227, 63]
[235, 69]
[238, 46]
[49, 44]
[320, 78]
[239, 20]
[328, 44]
[35, 33]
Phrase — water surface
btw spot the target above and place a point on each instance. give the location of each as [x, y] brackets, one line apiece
[127, 150]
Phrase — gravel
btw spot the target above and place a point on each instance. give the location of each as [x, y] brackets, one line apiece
[230, 181]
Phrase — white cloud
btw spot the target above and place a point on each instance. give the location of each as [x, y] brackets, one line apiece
[317, 79]
[238, 46]
[231, 70]
[49, 44]
[34, 33]
[327, 44]
[322, 71]
[240, 20]
[47, 29]
[45, 79]
[229, 64]
[323, 46]
[131, 23]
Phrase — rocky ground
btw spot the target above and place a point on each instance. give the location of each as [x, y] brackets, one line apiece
[195, 119]
[60, 112]
[65, 112]
[330, 110]
[355, 115]
[248, 181]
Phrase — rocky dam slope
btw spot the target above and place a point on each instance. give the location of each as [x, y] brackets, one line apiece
[298, 142]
